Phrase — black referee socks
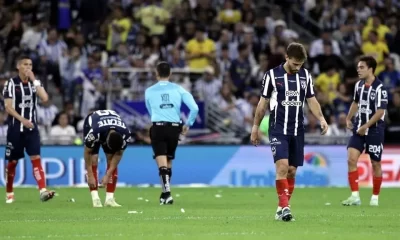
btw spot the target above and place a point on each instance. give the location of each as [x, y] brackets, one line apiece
[164, 176]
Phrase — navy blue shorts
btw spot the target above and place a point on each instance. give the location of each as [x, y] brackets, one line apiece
[372, 143]
[288, 147]
[96, 148]
[18, 142]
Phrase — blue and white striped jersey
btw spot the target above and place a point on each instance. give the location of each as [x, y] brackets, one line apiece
[24, 102]
[287, 93]
[369, 100]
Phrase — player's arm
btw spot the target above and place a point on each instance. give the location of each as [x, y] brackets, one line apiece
[266, 92]
[189, 101]
[354, 105]
[381, 102]
[89, 141]
[116, 158]
[39, 87]
[8, 101]
[314, 105]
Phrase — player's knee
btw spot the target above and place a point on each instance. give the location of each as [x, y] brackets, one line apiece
[34, 157]
[291, 172]
[376, 165]
[282, 168]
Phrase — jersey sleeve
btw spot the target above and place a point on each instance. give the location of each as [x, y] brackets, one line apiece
[8, 89]
[310, 87]
[356, 96]
[267, 86]
[382, 98]
[91, 139]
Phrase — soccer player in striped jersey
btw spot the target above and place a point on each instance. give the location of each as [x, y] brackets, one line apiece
[369, 102]
[20, 99]
[285, 88]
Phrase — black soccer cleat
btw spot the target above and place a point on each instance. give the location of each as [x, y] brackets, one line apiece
[166, 198]
[286, 214]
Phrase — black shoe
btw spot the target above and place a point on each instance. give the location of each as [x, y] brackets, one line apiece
[166, 198]
[286, 214]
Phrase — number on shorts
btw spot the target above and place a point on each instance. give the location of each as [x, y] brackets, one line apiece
[106, 112]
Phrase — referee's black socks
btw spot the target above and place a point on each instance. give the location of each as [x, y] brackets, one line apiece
[165, 178]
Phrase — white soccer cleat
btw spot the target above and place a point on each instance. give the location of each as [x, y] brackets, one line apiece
[111, 203]
[352, 201]
[10, 198]
[374, 201]
[97, 203]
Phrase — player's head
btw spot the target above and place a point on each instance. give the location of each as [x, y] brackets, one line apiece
[163, 70]
[24, 63]
[366, 67]
[114, 141]
[296, 55]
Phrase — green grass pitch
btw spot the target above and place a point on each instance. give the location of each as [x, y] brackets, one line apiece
[238, 213]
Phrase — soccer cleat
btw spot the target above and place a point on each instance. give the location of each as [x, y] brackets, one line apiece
[166, 198]
[111, 203]
[46, 195]
[97, 203]
[284, 214]
[374, 202]
[10, 198]
[352, 201]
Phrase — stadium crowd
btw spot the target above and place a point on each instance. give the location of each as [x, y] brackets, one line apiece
[227, 44]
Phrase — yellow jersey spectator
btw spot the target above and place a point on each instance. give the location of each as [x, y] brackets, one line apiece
[377, 49]
[229, 15]
[170, 5]
[200, 51]
[154, 17]
[375, 23]
[328, 82]
[118, 29]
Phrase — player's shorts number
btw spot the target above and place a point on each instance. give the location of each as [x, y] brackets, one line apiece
[106, 112]
[374, 149]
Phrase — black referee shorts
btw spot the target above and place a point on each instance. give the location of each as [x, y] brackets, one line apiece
[164, 138]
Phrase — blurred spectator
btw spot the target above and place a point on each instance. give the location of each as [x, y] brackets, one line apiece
[225, 41]
[177, 61]
[33, 36]
[208, 87]
[63, 133]
[46, 114]
[154, 17]
[390, 78]
[327, 59]
[118, 29]
[375, 24]
[342, 101]
[317, 46]
[224, 60]
[3, 127]
[200, 50]
[340, 128]
[378, 49]
[240, 71]
[328, 82]
[228, 15]
[394, 110]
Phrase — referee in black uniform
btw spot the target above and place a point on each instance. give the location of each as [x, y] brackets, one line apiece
[163, 102]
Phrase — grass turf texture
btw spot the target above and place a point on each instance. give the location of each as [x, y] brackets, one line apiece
[239, 213]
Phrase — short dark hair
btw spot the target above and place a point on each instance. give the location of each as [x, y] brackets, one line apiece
[369, 61]
[296, 51]
[115, 141]
[22, 57]
[242, 47]
[163, 69]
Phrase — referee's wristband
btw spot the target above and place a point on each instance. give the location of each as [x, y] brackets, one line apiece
[36, 83]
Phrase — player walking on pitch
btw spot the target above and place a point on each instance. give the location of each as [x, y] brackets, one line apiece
[20, 100]
[369, 102]
[106, 129]
[285, 88]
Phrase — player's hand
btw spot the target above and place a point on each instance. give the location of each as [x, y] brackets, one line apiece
[91, 181]
[362, 130]
[105, 180]
[349, 124]
[255, 136]
[324, 127]
[30, 75]
[27, 123]
[185, 130]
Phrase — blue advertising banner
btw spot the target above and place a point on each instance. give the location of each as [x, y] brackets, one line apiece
[213, 165]
[136, 112]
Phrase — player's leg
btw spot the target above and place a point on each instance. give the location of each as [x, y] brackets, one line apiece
[112, 184]
[280, 152]
[291, 178]
[94, 191]
[296, 159]
[374, 148]
[32, 146]
[14, 151]
[354, 150]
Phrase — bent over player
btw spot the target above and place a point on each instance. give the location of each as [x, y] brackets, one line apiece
[369, 102]
[20, 100]
[285, 88]
[104, 128]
